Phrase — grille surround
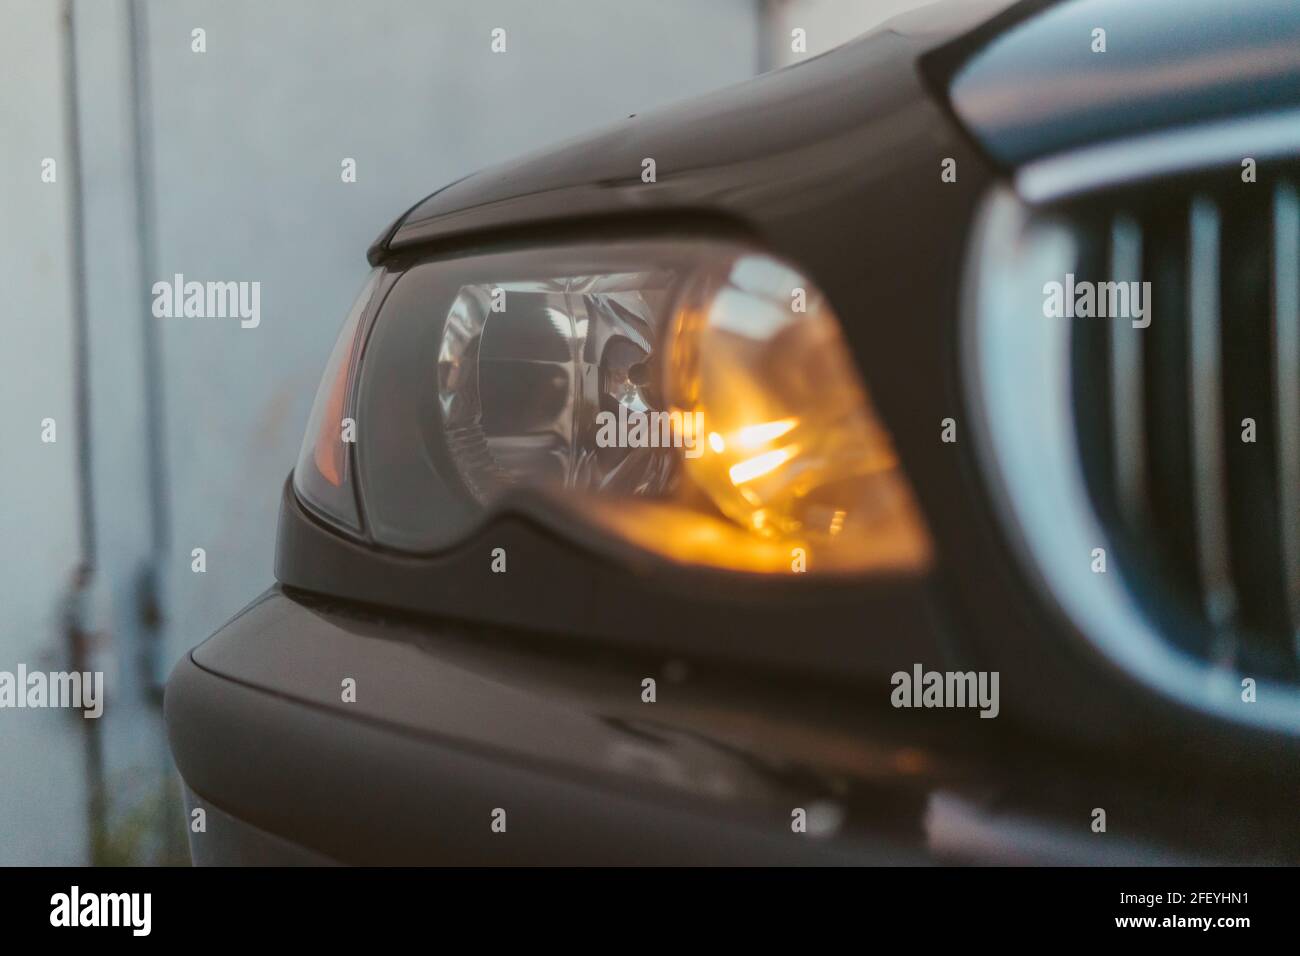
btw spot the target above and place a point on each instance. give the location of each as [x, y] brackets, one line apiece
[1201, 516]
[1023, 377]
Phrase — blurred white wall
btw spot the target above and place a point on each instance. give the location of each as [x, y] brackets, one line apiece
[826, 24]
[42, 789]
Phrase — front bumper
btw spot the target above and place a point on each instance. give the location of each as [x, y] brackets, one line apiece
[451, 724]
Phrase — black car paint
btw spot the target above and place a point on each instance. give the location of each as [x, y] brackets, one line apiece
[454, 722]
[835, 166]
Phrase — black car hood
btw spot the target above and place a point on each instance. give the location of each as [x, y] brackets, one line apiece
[1021, 78]
[713, 153]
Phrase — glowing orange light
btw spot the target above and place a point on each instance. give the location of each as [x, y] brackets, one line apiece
[759, 465]
[753, 436]
[797, 454]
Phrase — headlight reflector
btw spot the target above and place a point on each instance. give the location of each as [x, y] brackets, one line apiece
[794, 448]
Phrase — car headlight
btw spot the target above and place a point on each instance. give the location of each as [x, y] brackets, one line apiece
[694, 398]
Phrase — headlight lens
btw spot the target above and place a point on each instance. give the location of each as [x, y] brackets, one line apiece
[693, 398]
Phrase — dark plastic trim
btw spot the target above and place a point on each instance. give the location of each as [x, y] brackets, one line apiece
[614, 595]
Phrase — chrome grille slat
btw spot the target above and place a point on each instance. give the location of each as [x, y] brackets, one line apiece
[1286, 351]
[1205, 399]
[1127, 377]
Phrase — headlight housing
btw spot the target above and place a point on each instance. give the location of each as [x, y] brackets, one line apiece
[693, 398]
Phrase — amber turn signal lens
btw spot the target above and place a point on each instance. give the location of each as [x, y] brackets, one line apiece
[795, 452]
[321, 477]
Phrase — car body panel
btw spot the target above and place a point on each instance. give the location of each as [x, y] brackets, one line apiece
[451, 722]
[769, 154]
[1040, 87]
